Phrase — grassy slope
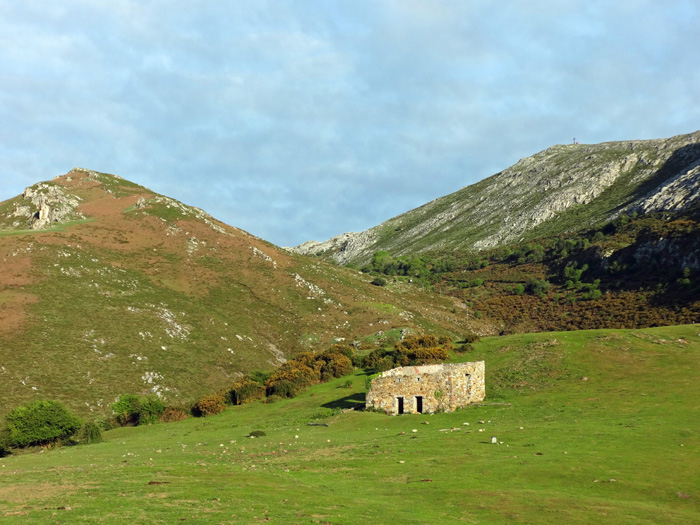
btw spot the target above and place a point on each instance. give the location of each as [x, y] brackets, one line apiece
[131, 300]
[619, 447]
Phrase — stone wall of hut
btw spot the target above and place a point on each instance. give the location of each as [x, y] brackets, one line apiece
[428, 388]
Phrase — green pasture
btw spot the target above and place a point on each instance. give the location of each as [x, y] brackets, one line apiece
[598, 426]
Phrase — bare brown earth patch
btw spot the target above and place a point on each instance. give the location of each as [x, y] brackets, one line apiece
[16, 274]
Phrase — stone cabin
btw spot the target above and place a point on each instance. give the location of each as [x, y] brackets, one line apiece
[428, 388]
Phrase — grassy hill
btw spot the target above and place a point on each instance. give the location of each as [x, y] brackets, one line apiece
[108, 288]
[595, 426]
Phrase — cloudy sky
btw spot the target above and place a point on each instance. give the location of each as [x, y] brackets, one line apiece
[299, 120]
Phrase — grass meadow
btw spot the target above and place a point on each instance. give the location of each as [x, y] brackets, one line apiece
[592, 426]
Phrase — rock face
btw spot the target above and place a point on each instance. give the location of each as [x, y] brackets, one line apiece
[427, 389]
[562, 188]
[44, 204]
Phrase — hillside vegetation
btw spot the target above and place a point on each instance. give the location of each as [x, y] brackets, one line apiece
[633, 272]
[109, 288]
[590, 425]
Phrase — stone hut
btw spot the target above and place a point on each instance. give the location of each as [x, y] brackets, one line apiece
[427, 389]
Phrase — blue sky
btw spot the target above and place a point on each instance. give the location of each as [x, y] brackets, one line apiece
[299, 120]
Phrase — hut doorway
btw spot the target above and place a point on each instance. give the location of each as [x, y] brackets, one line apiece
[419, 404]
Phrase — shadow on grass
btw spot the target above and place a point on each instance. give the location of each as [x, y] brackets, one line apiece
[356, 401]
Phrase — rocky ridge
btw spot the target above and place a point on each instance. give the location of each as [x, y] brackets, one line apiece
[561, 188]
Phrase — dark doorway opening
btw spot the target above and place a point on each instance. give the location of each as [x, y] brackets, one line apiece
[419, 404]
[400, 401]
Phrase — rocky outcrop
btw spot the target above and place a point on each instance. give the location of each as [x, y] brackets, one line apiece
[561, 188]
[44, 204]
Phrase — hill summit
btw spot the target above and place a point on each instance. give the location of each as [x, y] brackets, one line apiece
[561, 189]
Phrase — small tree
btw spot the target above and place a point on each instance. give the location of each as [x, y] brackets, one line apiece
[40, 423]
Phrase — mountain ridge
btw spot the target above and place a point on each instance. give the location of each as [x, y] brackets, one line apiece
[559, 189]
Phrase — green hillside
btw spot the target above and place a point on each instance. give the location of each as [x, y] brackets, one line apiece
[118, 289]
[596, 426]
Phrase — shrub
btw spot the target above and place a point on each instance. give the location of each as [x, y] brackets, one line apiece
[4, 444]
[131, 410]
[152, 408]
[90, 433]
[209, 406]
[463, 349]
[537, 287]
[172, 415]
[334, 364]
[293, 376]
[471, 337]
[40, 423]
[434, 354]
[246, 390]
[379, 281]
[126, 409]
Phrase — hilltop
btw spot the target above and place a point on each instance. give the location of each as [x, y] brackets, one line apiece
[108, 287]
[562, 189]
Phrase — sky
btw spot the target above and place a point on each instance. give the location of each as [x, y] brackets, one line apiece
[304, 119]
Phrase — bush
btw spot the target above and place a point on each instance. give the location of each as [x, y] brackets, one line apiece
[152, 408]
[293, 376]
[245, 391]
[537, 287]
[463, 349]
[132, 410]
[209, 406]
[379, 281]
[471, 337]
[90, 433]
[4, 444]
[334, 364]
[40, 423]
[172, 415]
[126, 409]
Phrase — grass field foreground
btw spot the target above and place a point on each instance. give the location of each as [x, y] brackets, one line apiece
[590, 426]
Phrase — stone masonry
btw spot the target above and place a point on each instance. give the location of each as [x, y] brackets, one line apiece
[427, 389]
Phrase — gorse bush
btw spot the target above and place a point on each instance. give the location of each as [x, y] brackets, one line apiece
[413, 350]
[209, 406]
[309, 369]
[40, 423]
[245, 391]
